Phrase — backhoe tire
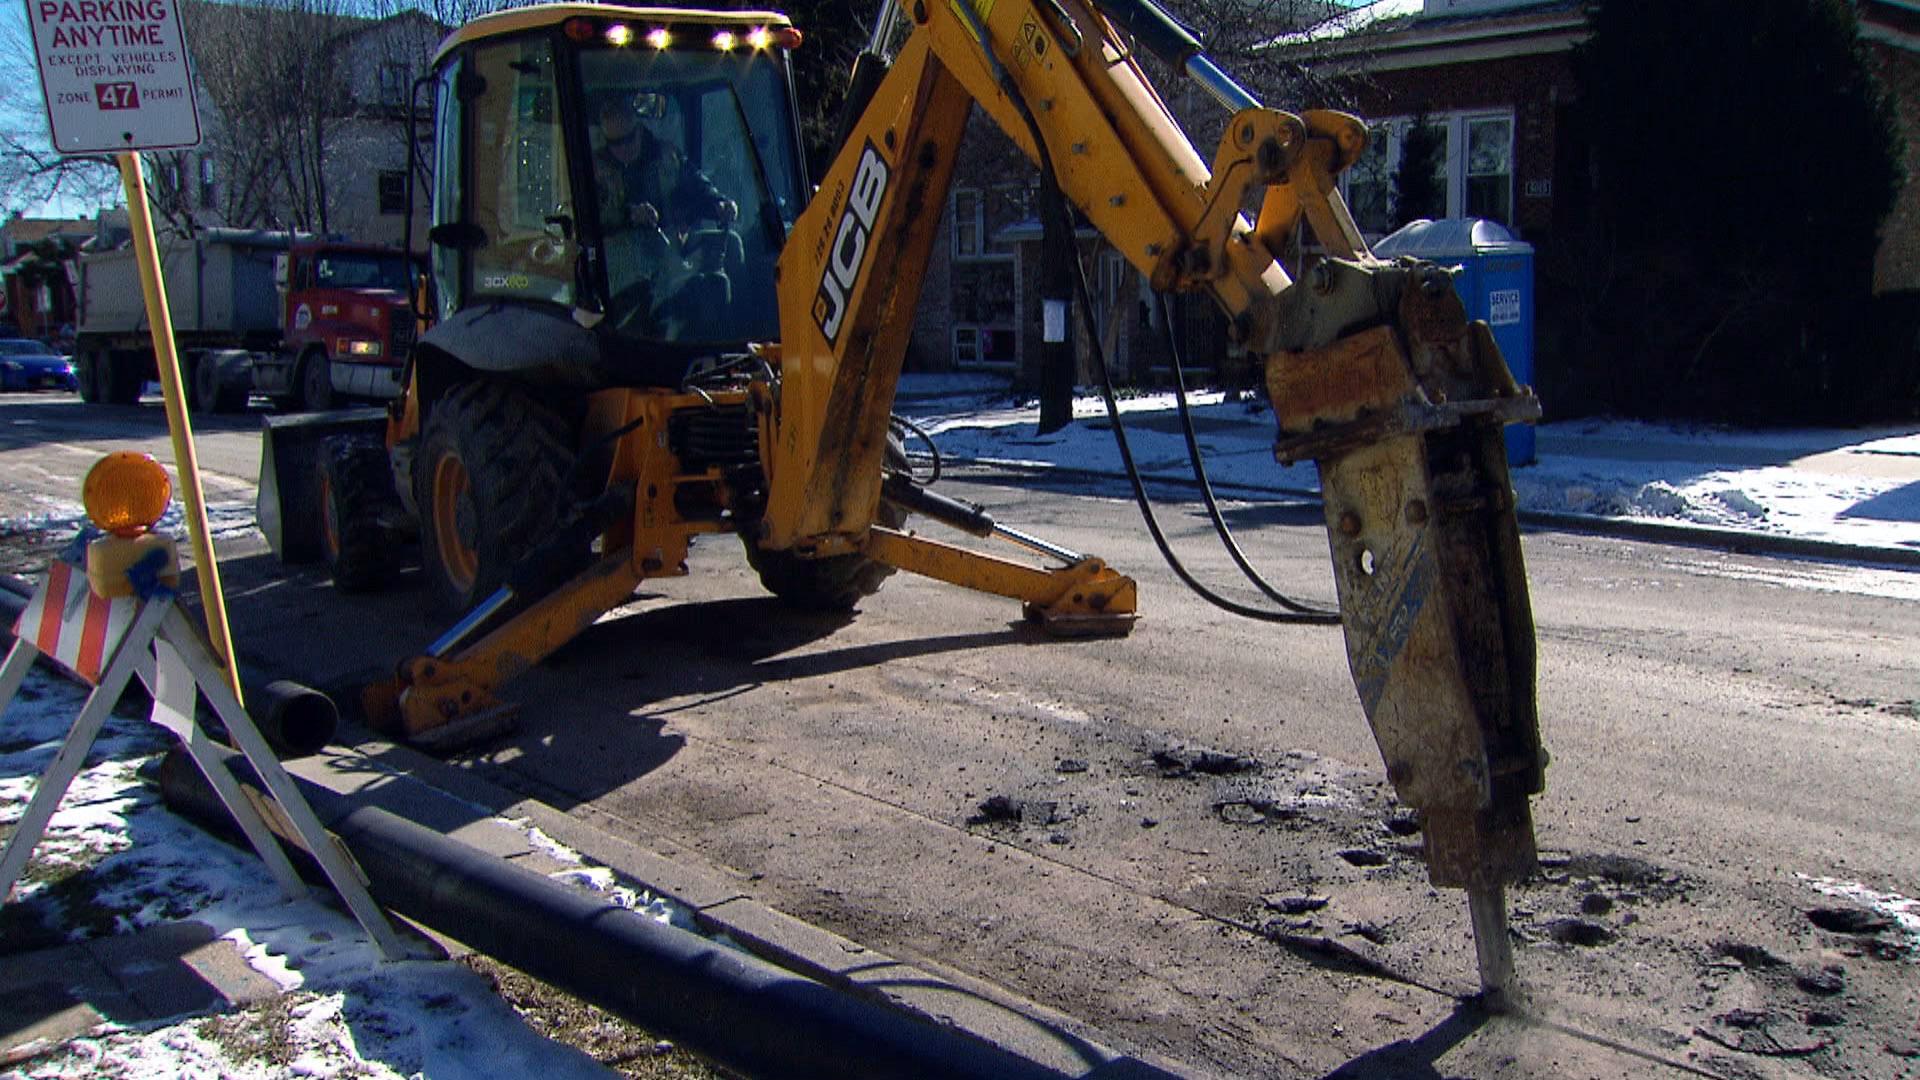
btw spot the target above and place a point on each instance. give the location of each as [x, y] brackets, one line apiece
[838, 582]
[490, 481]
[357, 506]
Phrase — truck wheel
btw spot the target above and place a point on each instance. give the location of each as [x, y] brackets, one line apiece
[835, 583]
[490, 481]
[203, 384]
[316, 383]
[356, 502]
[122, 378]
[220, 393]
[90, 364]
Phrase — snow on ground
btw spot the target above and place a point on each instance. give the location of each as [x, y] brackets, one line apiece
[348, 1012]
[1853, 486]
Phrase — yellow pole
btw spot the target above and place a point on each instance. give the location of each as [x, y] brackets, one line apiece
[160, 320]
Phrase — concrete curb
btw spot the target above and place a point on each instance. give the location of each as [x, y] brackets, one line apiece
[1737, 541]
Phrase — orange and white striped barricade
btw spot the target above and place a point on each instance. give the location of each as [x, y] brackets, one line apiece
[105, 642]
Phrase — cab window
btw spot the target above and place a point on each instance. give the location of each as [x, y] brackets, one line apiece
[518, 190]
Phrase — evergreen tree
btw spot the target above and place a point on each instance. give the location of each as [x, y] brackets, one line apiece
[1419, 185]
[1743, 161]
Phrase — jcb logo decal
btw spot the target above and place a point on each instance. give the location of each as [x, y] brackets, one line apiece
[849, 251]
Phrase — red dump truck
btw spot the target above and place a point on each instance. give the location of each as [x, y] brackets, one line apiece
[304, 320]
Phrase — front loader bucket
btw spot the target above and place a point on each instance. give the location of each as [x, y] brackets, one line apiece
[289, 507]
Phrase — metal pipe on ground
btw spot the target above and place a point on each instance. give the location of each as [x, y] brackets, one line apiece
[732, 1007]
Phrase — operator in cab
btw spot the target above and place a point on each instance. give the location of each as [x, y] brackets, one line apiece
[670, 242]
[646, 182]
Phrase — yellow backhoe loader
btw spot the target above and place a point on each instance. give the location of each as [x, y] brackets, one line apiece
[646, 325]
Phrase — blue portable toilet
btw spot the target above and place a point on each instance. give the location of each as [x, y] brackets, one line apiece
[1495, 281]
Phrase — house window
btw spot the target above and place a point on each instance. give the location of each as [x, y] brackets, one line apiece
[1475, 170]
[1489, 188]
[393, 85]
[967, 223]
[207, 187]
[393, 191]
[1370, 181]
[966, 345]
[1005, 204]
[984, 347]
[984, 311]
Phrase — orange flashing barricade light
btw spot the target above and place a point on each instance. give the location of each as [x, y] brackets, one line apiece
[125, 494]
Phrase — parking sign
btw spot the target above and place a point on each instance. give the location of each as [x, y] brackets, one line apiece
[115, 74]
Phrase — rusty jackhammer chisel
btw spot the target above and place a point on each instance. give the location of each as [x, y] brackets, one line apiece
[1492, 945]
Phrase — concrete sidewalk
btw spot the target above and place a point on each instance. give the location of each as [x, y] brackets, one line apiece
[51, 996]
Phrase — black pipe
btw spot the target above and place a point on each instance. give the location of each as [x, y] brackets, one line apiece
[729, 1006]
[296, 719]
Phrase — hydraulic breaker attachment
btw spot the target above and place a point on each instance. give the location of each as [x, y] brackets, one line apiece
[288, 506]
[1403, 421]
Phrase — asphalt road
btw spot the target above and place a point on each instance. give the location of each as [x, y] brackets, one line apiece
[1728, 734]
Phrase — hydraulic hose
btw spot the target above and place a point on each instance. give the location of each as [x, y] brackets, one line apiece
[903, 427]
[1332, 618]
[1308, 617]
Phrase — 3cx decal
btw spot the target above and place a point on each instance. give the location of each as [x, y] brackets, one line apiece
[849, 250]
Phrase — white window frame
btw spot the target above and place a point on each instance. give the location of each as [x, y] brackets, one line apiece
[966, 345]
[973, 214]
[1394, 129]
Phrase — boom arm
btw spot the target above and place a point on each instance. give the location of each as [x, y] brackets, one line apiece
[1374, 371]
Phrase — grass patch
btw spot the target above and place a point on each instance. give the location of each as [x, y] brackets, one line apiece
[66, 907]
[261, 1033]
[613, 1042]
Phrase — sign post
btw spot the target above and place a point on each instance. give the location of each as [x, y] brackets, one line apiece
[116, 80]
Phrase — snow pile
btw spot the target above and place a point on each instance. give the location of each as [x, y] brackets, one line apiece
[1904, 912]
[604, 881]
[1821, 484]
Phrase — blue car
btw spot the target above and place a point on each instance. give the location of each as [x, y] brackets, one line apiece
[29, 365]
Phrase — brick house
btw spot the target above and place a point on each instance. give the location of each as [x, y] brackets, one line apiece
[1495, 78]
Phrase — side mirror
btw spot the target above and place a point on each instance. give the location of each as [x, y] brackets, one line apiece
[458, 235]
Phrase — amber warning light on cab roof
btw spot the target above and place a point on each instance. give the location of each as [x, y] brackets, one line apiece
[621, 35]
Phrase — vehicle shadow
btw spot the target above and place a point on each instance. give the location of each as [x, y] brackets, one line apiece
[594, 716]
[32, 420]
[677, 657]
